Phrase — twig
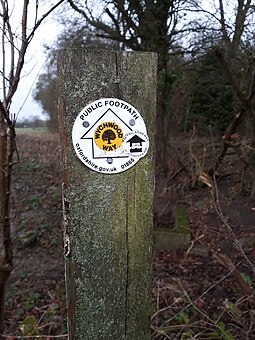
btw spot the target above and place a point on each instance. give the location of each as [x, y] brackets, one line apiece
[192, 244]
[217, 207]
[166, 308]
[204, 314]
[34, 336]
[198, 298]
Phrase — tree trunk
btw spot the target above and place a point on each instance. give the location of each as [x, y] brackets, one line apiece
[6, 266]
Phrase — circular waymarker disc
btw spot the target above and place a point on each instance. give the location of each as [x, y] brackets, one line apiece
[110, 136]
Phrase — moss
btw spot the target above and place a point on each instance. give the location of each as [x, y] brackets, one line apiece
[109, 216]
[167, 239]
[181, 221]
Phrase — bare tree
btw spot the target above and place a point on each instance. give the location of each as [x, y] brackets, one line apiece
[14, 45]
[150, 25]
[138, 25]
[235, 55]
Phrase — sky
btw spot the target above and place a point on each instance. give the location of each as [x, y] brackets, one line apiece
[23, 103]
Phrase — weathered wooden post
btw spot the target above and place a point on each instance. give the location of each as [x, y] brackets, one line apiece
[107, 102]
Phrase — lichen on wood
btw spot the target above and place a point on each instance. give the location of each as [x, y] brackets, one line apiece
[108, 217]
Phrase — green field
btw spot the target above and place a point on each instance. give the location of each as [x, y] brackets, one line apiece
[32, 131]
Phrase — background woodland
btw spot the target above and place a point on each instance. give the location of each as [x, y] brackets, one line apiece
[204, 157]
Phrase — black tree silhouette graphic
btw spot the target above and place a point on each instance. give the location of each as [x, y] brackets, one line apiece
[108, 135]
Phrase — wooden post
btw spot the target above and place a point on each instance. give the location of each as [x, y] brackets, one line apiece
[108, 229]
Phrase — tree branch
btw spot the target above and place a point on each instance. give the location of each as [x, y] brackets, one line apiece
[38, 23]
[230, 78]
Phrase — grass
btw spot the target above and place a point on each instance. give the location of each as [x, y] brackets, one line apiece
[35, 302]
[195, 296]
[32, 131]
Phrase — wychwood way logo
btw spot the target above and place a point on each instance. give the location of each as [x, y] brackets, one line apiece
[108, 136]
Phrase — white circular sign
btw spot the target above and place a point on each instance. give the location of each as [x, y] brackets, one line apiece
[110, 136]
